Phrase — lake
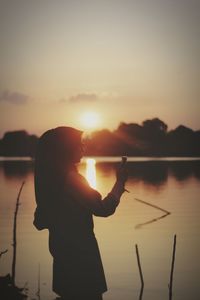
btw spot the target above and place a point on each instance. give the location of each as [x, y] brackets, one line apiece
[172, 184]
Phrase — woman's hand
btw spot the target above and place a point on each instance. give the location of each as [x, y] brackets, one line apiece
[122, 176]
[122, 173]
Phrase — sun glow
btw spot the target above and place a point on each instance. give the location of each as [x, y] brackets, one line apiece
[90, 120]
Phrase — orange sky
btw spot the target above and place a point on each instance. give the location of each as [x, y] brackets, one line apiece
[126, 60]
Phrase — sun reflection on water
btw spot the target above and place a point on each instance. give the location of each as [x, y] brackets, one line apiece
[91, 172]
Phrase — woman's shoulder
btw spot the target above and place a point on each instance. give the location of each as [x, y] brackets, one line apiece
[75, 178]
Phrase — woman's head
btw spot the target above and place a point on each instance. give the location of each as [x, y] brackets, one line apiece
[58, 150]
[60, 146]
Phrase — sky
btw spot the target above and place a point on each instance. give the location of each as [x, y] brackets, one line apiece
[125, 60]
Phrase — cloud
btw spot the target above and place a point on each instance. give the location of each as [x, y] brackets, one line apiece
[84, 97]
[14, 97]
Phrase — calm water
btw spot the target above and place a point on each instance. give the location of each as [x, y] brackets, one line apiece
[170, 184]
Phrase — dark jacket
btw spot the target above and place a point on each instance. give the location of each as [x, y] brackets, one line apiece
[72, 243]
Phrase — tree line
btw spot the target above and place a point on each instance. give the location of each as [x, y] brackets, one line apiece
[151, 138]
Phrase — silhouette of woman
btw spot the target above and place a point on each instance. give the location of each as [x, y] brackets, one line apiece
[65, 205]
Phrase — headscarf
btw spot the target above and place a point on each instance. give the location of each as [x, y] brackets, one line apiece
[54, 157]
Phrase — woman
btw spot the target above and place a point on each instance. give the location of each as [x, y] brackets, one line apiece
[65, 205]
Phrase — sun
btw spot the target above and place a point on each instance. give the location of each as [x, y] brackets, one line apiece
[90, 120]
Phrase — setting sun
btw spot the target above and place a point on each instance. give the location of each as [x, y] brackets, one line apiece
[90, 120]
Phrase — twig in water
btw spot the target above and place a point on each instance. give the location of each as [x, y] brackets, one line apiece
[15, 235]
[152, 205]
[166, 213]
[3, 252]
[151, 221]
[172, 269]
[140, 271]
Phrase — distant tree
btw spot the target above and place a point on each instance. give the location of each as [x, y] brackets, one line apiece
[149, 139]
[15, 143]
[155, 125]
[154, 133]
[102, 142]
[33, 139]
[197, 142]
[131, 129]
[183, 141]
[129, 137]
[1, 147]
[18, 143]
